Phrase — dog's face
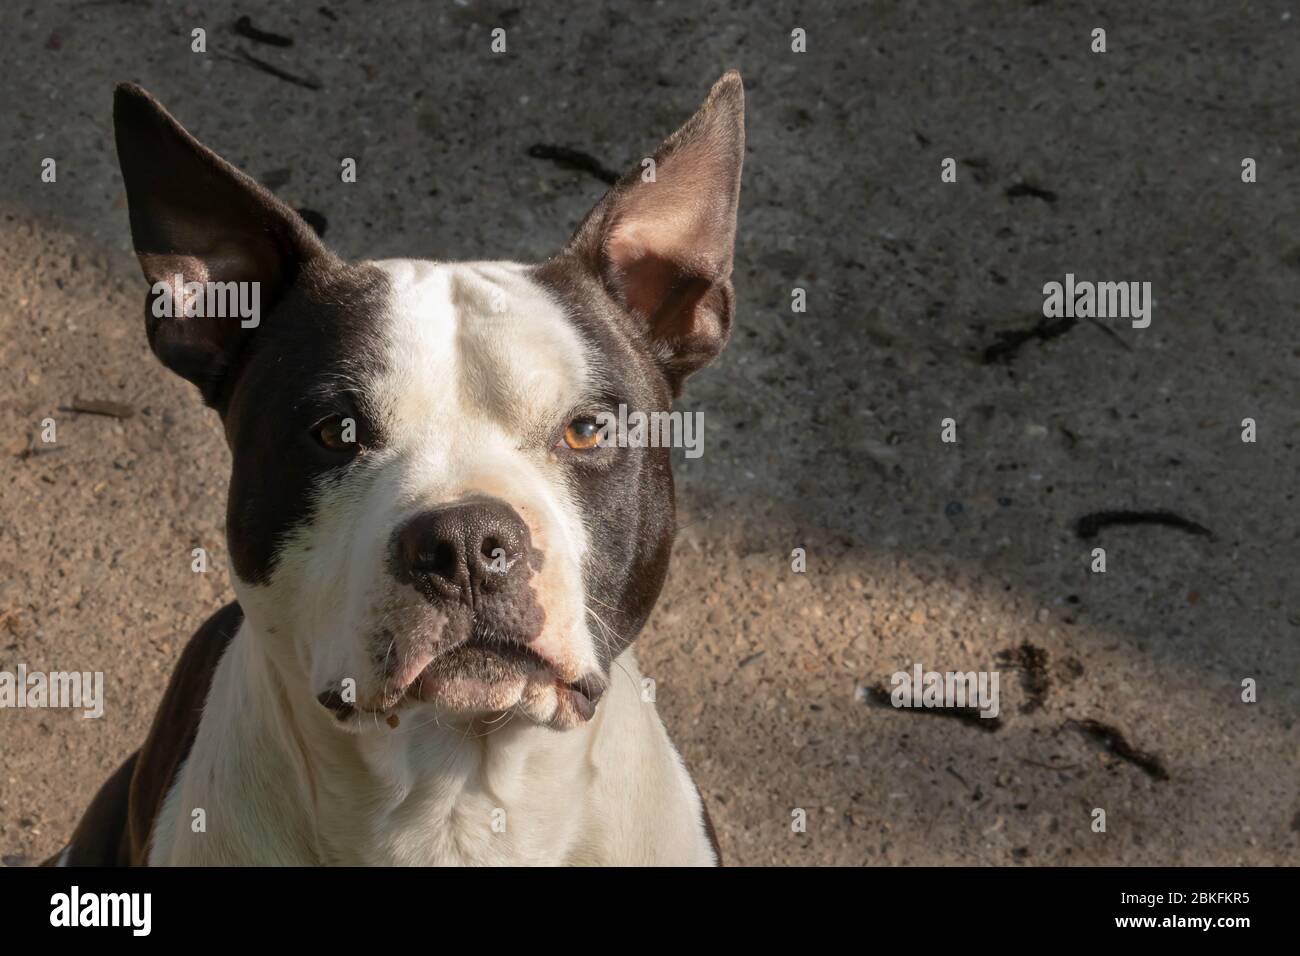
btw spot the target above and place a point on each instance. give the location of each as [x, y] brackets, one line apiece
[422, 508]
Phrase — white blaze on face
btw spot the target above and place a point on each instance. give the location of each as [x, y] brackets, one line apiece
[480, 368]
[485, 366]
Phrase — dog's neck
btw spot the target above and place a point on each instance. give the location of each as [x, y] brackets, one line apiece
[279, 783]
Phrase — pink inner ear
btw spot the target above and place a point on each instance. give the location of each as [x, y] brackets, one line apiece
[219, 260]
[665, 296]
[662, 261]
[683, 217]
[162, 267]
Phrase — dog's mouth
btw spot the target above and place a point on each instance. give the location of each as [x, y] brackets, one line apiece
[487, 654]
[493, 667]
[489, 674]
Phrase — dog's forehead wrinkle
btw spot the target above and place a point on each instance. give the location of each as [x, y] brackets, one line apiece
[478, 340]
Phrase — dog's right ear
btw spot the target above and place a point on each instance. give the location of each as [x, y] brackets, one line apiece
[196, 216]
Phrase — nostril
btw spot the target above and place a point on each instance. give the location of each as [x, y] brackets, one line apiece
[443, 560]
[495, 554]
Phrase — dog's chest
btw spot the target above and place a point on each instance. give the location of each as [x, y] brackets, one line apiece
[474, 831]
[512, 803]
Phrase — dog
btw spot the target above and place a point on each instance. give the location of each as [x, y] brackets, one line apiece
[440, 561]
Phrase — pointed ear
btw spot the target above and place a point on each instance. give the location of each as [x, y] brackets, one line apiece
[663, 247]
[195, 215]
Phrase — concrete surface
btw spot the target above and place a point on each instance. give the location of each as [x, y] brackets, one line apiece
[822, 428]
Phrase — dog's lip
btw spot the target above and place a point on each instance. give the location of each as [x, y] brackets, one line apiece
[585, 694]
[582, 694]
[585, 691]
[500, 647]
[505, 647]
[332, 700]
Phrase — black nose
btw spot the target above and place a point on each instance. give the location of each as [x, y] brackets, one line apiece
[463, 550]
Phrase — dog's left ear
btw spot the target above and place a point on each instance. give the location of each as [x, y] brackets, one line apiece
[662, 238]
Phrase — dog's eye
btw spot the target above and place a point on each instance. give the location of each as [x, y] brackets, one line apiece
[582, 434]
[338, 434]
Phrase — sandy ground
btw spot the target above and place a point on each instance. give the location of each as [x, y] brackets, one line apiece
[822, 428]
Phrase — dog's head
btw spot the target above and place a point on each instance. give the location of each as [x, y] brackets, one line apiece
[423, 506]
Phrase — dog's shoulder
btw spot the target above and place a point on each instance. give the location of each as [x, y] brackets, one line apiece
[116, 828]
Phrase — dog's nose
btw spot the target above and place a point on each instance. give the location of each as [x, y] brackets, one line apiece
[466, 549]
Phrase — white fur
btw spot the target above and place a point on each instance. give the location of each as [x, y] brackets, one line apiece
[280, 786]
[479, 362]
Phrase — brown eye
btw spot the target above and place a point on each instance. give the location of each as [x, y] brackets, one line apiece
[582, 434]
[337, 434]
